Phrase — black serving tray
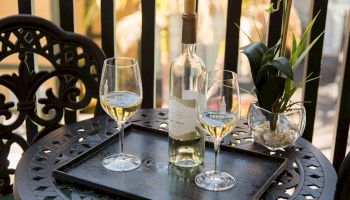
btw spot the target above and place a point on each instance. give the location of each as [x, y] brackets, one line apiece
[156, 179]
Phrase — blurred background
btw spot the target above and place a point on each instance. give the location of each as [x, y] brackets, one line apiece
[211, 40]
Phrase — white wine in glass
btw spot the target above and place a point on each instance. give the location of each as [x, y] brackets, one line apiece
[121, 97]
[121, 105]
[218, 124]
[218, 116]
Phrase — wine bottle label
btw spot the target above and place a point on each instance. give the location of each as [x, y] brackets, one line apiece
[182, 114]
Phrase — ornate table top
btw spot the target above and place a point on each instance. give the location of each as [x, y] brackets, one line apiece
[309, 174]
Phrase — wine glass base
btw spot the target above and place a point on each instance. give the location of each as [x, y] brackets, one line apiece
[121, 162]
[215, 181]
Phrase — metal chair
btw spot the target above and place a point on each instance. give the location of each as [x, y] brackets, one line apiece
[75, 60]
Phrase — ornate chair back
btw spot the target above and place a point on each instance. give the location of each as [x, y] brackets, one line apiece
[76, 67]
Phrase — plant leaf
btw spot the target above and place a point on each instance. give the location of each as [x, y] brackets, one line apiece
[271, 91]
[270, 54]
[294, 46]
[302, 43]
[281, 64]
[263, 77]
[254, 52]
[269, 8]
[246, 34]
[306, 51]
[256, 27]
[289, 93]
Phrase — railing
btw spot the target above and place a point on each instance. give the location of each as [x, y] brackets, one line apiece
[343, 106]
[312, 62]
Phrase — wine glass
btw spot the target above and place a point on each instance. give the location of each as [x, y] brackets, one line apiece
[121, 97]
[218, 112]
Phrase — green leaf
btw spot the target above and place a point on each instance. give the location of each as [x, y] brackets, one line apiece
[278, 47]
[261, 79]
[256, 27]
[270, 54]
[246, 34]
[271, 92]
[289, 86]
[305, 52]
[294, 46]
[288, 93]
[281, 64]
[254, 52]
[269, 8]
[303, 42]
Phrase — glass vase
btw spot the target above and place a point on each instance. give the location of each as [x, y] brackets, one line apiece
[276, 130]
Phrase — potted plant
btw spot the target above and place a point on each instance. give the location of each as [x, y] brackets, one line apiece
[274, 120]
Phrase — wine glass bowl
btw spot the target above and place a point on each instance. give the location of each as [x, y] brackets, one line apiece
[218, 113]
[121, 97]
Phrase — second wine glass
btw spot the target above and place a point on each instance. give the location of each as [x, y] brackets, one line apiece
[121, 97]
[218, 112]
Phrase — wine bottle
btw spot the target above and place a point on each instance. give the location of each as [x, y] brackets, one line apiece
[186, 140]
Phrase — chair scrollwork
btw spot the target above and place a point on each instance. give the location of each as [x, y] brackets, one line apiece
[76, 64]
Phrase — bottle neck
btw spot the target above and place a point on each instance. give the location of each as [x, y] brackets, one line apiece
[189, 28]
[189, 48]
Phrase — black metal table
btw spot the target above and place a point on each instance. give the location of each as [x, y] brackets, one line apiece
[309, 174]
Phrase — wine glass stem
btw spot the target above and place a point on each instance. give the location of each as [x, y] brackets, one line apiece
[121, 136]
[217, 143]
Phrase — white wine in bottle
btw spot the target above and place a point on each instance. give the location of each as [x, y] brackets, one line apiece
[186, 140]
